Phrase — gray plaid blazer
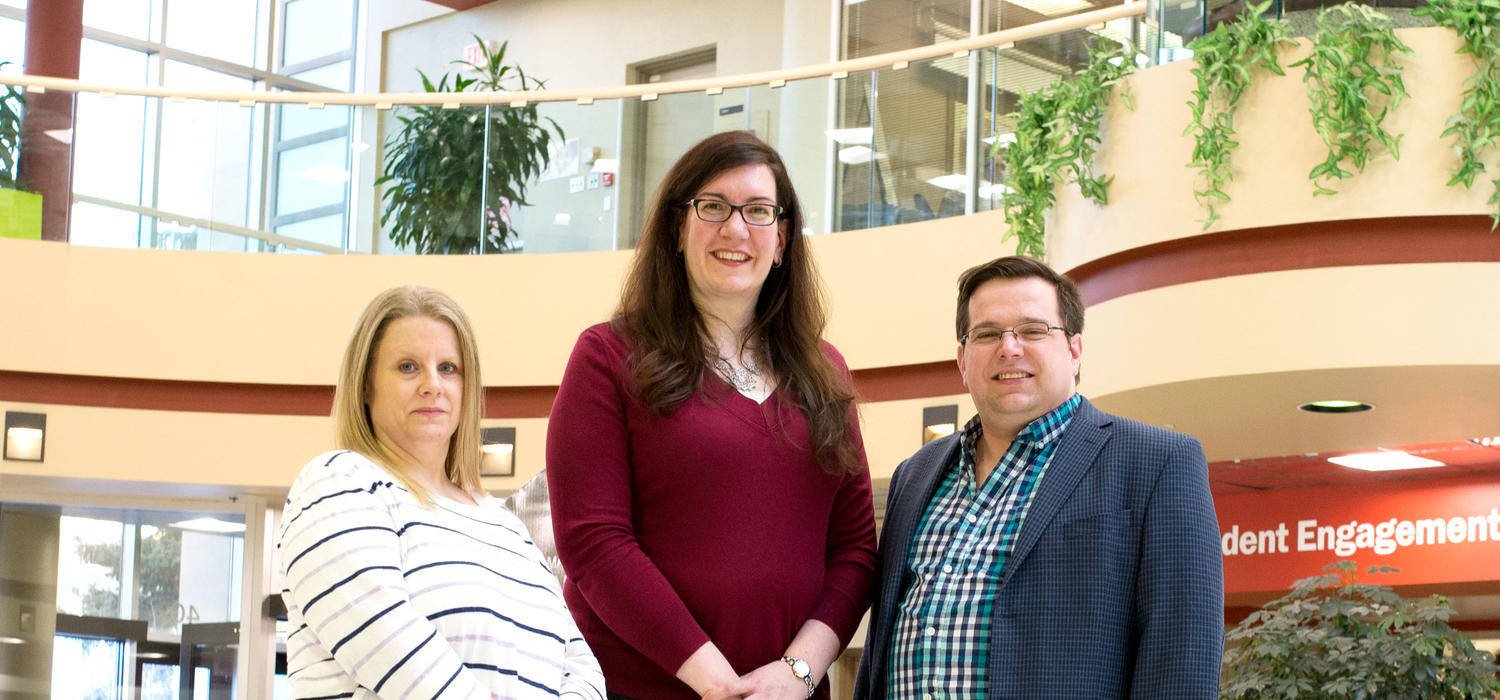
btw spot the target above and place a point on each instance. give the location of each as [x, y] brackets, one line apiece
[1115, 588]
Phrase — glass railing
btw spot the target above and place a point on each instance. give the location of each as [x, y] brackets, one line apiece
[879, 141]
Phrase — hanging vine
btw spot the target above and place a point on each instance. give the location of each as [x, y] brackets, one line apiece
[1227, 58]
[1477, 125]
[1057, 134]
[1353, 80]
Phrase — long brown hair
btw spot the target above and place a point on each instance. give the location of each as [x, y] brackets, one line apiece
[351, 419]
[669, 356]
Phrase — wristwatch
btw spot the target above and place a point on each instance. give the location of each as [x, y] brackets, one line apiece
[803, 672]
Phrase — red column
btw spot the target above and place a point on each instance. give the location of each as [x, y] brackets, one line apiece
[54, 34]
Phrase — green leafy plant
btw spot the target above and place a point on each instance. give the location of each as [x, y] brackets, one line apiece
[1227, 58]
[1477, 125]
[447, 168]
[1332, 637]
[12, 103]
[1353, 81]
[1056, 139]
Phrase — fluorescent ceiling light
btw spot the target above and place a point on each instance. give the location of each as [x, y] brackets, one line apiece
[852, 135]
[957, 182]
[215, 526]
[1385, 461]
[854, 155]
[12, 640]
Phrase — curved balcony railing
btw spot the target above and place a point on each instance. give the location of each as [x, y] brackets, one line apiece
[873, 141]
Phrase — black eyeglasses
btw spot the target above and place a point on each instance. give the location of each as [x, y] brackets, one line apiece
[1034, 332]
[717, 211]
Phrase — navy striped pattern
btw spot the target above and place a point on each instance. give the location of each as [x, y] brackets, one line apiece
[940, 646]
[388, 599]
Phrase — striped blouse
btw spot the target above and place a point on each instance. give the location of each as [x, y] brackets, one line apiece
[388, 599]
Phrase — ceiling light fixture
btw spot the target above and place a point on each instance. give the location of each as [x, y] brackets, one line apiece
[1336, 406]
[1385, 461]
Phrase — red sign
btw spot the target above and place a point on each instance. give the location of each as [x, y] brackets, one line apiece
[1435, 532]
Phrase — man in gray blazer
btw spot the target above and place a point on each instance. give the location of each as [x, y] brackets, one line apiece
[1047, 549]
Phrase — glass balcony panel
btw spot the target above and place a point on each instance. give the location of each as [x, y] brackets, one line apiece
[859, 169]
[571, 208]
[312, 176]
[657, 133]
[108, 226]
[996, 129]
[450, 182]
[323, 230]
[209, 167]
[316, 28]
[297, 120]
[222, 29]
[921, 122]
[794, 119]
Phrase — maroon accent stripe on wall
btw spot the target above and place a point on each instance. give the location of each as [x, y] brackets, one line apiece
[227, 397]
[881, 384]
[1383, 241]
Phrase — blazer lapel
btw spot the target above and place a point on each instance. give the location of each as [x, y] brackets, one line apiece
[1081, 442]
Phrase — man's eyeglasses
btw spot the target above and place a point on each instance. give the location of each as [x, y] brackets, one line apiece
[1034, 332]
[716, 211]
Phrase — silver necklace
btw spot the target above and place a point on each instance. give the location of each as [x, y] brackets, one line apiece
[744, 377]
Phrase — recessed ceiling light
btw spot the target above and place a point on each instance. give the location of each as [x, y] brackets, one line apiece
[1384, 461]
[1336, 406]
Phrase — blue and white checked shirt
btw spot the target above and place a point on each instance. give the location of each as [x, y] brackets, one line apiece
[941, 639]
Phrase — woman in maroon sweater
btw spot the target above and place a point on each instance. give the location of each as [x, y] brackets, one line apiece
[710, 497]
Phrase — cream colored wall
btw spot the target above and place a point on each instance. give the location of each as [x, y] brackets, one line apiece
[1152, 201]
[284, 319]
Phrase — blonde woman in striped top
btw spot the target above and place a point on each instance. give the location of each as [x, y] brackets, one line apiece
[402, 578]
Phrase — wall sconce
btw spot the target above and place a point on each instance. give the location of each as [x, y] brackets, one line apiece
[939, 421]
[499, 446]
[25, 436]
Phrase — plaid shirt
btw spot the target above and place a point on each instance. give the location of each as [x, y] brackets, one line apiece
[940, 644]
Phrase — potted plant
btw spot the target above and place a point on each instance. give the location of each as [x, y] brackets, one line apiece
[20, 211]
[1333, 637]
[446, 166]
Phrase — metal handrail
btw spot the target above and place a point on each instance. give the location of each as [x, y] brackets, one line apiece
[649, 91]
[160, 215]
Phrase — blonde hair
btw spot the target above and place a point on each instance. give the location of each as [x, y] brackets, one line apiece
[352, 429]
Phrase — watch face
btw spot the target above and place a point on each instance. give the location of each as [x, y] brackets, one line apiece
[801, 668]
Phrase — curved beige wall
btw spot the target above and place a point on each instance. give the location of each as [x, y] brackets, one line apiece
[1152, 200]
[284, 319]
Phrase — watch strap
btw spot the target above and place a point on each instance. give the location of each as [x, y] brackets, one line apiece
[803, 674]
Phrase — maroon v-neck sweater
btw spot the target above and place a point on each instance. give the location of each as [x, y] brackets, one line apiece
[712, 523]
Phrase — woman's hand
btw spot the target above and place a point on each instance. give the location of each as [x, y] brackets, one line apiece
[773, 681]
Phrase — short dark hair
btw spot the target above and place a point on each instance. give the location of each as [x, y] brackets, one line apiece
[1069, 303]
